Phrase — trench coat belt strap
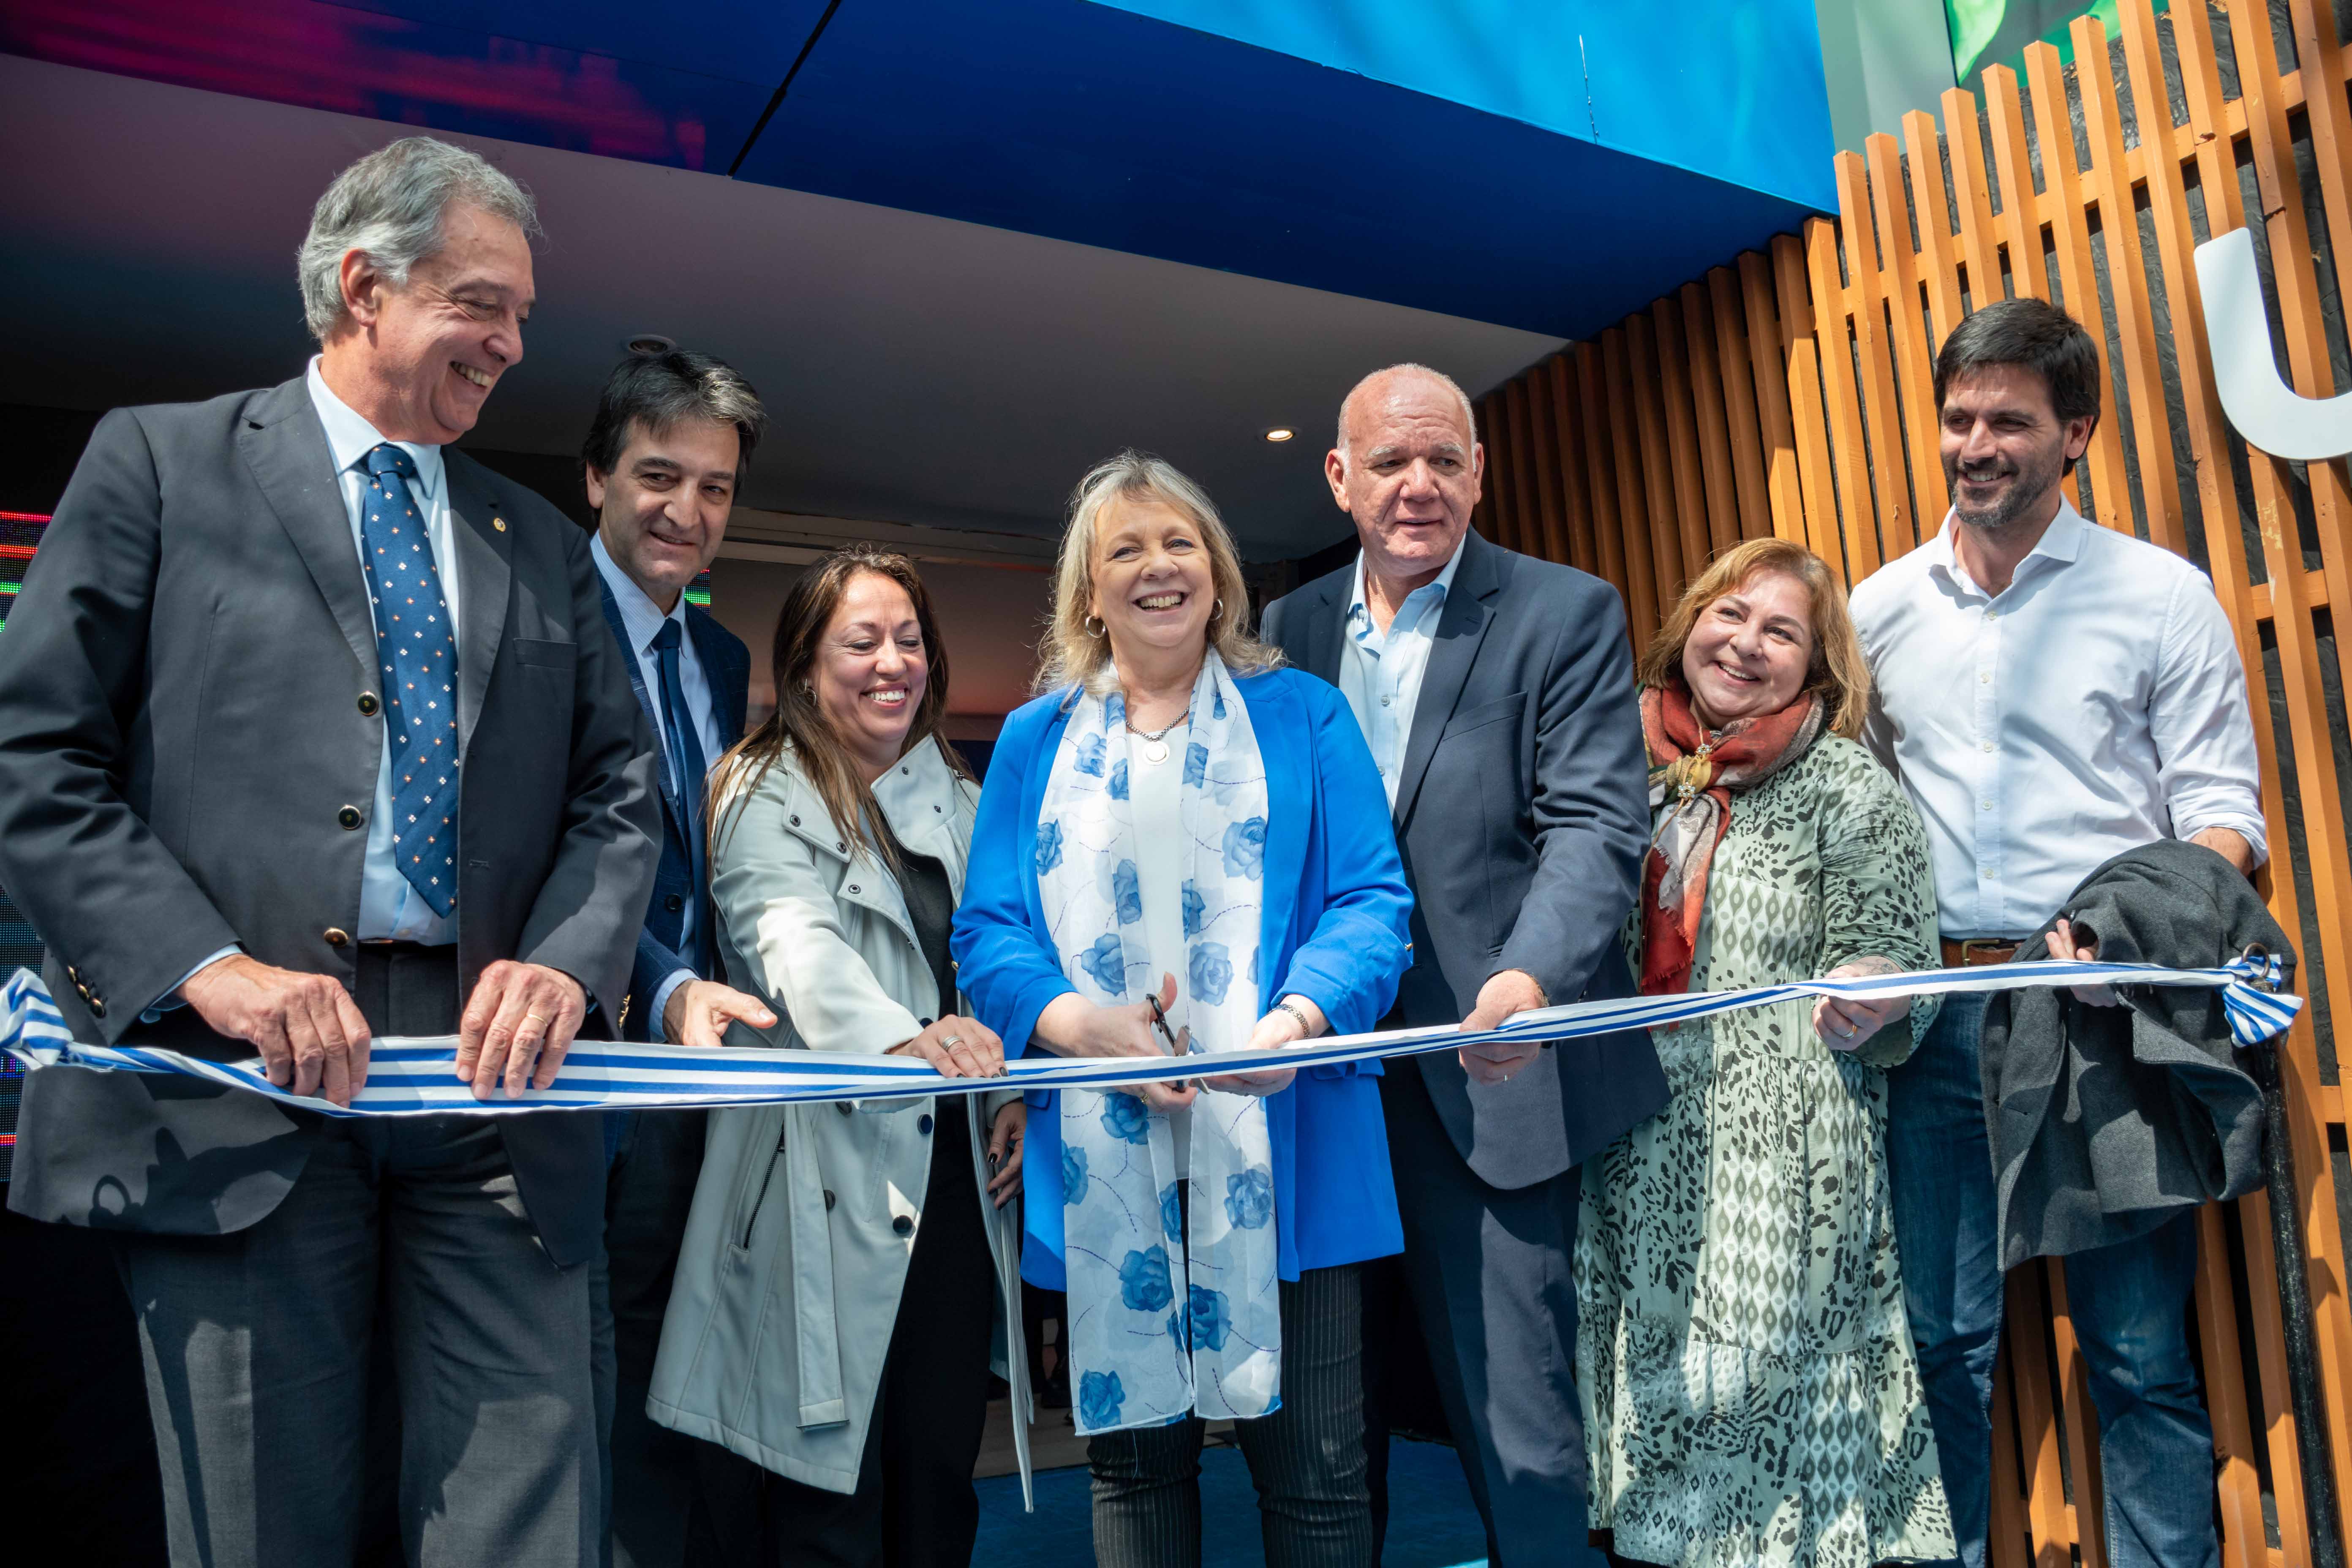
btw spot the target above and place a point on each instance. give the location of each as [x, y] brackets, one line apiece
[1977, 950]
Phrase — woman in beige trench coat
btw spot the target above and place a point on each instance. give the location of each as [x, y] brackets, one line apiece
[842, 1294]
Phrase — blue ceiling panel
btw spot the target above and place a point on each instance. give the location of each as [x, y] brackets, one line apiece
[1092, 123]
[1728, 87]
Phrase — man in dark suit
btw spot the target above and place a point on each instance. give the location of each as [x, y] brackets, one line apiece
[672, 436]
[260, 638]
[1496, 692]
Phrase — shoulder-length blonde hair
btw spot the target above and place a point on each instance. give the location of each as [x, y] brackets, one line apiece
[1072, 655]
[1838, 676]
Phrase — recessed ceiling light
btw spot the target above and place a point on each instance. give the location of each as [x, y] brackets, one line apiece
[1280, 433]
[647, 343]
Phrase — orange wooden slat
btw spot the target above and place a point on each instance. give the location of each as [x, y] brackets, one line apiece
[1665, 540]
[2013, 156]
[1972, 194]
[1939, 251]
[2030, 1383]
[2071, 230]
[1751, 497]
[2244, 1540]
[2270, 1362]
[1681, 436]
[1493, 426]
[2078, 1422]
[1567, 412]
[1543, 452]
[1526, 524]
[2299, 661]
[2006, 1543]
[1787, 364]
[2109, 182]
[1602, 479]
[2319, 52]
[1870, 292]
[1634, 527]
[1855, 541]
[1715, 465]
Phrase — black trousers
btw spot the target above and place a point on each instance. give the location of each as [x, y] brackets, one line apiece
[914, 1506]
[1307, 1458]
[650, 1469]
[1487, 1273]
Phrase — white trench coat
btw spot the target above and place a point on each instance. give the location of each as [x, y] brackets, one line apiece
[796, 1249]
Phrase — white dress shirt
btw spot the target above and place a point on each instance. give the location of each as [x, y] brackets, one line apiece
[1380, 673]
[643, 620]
[2094, 705]
[389, 907]
[1156, 803]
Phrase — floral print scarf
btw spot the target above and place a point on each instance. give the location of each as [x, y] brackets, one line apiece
[1692, 776]
[1165, 1320]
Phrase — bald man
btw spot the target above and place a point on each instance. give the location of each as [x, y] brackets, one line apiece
[1497, 691]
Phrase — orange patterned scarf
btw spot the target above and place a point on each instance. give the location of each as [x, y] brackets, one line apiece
[1692, 776]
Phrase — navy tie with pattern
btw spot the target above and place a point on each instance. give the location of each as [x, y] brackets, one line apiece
[418, 649]
[687, 765]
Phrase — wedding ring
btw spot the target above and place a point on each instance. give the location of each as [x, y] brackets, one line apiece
[951, 1042]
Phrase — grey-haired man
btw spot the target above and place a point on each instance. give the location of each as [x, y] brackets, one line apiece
[263, 635]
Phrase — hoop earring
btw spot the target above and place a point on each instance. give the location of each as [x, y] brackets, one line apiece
[1219, 607]
[1093, 625]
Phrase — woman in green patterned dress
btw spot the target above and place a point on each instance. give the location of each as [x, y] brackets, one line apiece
[1742, 1352]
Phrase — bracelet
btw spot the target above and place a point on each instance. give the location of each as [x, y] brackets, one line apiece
[1306, 1030]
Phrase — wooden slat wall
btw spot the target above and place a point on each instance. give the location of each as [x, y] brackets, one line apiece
[1791, 394]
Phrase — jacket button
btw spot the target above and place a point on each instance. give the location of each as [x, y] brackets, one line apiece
[72, 973]
[923, 1124]
[903, 1226]
[853, 886]
[837, 844]
[349, 816]
[673, 904]
[842, 1106]
[923, 1023]
[97, 1006]
[368, 704]
[336, 936]
[828, 1200]
[796, 822]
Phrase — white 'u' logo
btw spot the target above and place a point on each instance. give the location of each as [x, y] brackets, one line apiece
[2266, 411]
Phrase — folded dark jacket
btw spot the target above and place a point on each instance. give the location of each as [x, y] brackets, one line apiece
[2107, 1121]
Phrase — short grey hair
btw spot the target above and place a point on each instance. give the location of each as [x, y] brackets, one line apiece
[1469, 413]
[392, 204]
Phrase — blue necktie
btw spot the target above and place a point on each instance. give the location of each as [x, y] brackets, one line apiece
[419, 653]
[686, 767]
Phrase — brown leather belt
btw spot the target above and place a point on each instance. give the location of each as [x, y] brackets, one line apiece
[1979, 950]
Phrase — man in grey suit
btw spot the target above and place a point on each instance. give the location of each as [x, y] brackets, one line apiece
[1496, 692]
[262, 636]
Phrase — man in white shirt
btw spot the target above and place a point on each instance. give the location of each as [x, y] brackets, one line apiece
[2051, 694]
[671, 437]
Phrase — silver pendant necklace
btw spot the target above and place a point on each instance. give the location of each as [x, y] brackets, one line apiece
[1155, 746]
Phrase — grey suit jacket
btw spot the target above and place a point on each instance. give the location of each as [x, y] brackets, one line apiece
[1522, 813]
[181, 735]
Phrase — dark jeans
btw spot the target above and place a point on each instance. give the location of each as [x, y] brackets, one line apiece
[914, 1506]
[1307, 1457]
[2129, 1304]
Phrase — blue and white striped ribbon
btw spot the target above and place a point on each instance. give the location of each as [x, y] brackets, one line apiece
[417, 1076]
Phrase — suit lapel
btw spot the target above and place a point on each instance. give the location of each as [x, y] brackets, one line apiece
[730, 677]
[485, 574]
[1461, 628]
[287, 448]
[645, 697]
[1325, 628]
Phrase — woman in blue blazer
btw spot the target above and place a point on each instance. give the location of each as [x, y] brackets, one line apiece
[1183, 846]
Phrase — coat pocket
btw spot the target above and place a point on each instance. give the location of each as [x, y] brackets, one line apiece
[544, 653]
[763, 1152]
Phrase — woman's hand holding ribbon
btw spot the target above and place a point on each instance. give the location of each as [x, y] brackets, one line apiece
[956, 1048]
[1072, 1026]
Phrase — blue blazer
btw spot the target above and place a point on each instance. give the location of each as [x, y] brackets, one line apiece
[1334, 929]
[727, 665]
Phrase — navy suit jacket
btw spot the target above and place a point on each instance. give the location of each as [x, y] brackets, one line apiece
[727, 665]
[1522, 810]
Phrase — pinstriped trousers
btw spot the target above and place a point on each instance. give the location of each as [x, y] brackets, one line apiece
[1307, 1458]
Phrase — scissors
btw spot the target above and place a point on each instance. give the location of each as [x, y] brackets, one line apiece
[1160, 1022]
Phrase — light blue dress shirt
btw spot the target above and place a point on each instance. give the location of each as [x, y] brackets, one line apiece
[643, 620]
[1380, 673]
